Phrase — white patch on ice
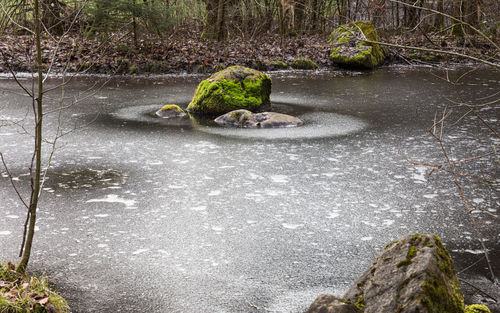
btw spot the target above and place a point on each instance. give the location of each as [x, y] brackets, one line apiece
[214, 193]
[388, 222]
[279, 178]
[251, 222]
[12, 216]
[136, 252]
[399, 176]
[292, 226]
[431, 196]
[5, 233]
[199, 208]
[420, 175]
[102, 245]
[217, 228]
[112, 198]
[368, 238]
[332, 215]
[471, 251]
[478, 200]
[101, 215]
[175, 187]
[155, 163]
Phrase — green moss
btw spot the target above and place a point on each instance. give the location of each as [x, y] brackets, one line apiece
[304, 64]
[172, 107]
[438, 298]
[360, 303]
[231, 89]
[132, 69]
[404, 263]
[477, 308]
[277, 64]
[348, 51]
[411, 252]
[23, 291]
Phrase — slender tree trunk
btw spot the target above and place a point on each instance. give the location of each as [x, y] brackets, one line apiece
[35, 190]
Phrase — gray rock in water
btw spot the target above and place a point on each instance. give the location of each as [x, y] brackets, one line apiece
[169, 111]
[332, 304]
[413, 274]
[247, 119]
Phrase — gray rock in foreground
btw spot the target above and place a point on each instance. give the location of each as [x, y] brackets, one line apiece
[332, 304]
[413, 274]
[246, 119]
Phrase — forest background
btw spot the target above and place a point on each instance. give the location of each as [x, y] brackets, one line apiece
[202, 36]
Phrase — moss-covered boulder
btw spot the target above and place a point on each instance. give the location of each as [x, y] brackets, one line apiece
[413, 274]
[233, 88]
[350, 50]
[477, 308]
[170, 111]
[304, 64]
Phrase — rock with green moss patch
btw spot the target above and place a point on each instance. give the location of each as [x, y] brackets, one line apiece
[170, 111]
[332, 304]
[247, 119]
[413, 274]
[233, 88]
[304, 64]
[350, 50]
[278, 65]
[477, 308]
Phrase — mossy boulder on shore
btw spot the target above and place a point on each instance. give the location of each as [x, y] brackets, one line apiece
[233, 88]
[350, 50]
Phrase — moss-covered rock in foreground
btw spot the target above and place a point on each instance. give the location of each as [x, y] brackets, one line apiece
[413, 274]
[349, 50]
[21, 293]
[233, 88]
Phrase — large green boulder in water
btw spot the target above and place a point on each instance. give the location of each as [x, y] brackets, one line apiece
[233, 88]
[351, 51]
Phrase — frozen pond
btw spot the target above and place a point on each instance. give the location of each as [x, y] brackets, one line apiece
[147, 215]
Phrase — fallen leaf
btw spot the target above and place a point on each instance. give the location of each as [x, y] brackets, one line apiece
[44, 301]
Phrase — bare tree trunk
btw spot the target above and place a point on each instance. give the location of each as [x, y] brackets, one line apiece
[35, 188]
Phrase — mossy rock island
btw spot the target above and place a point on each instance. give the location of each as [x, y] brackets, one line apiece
[351, 51]
[233, 88]
[170, 111]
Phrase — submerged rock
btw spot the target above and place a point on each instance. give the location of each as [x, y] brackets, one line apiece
[169, 111]
[233, 88]
[413, 274]
[247, 119]
[332, 304]
[349, 49]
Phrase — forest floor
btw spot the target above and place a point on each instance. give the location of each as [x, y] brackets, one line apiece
[185, 52]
